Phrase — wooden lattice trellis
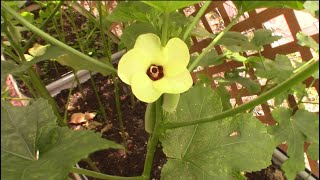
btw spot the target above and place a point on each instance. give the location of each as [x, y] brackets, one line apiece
[255, 19]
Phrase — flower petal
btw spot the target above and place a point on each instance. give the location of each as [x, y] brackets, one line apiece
[132, 62]
[177, 54]
[150, 44]
[142, 88]
[175, 84]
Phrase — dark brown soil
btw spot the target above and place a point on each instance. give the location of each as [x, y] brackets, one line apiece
[273, 172]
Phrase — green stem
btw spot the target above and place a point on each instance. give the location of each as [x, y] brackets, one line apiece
[29, 86]
[206, 50]
[91, 164]
[115, 81]
[45, 23]
[56, 28]
[82, 48]
[196, 19]
[98, 97]
[56, 68]
[68, 101]
[164, 38]
[306, 64]
[153, 141]
[90, 34]
[296, 78]
[54, 41]
[100, 175]
[78, 83]
[132, 99]
[118, 105]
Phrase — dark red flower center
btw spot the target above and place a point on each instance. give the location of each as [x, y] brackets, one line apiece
[155, 72]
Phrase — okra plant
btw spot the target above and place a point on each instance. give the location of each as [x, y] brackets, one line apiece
[202, 134]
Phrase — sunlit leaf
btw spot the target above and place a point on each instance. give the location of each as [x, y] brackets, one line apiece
[65, 58]
[37, 50]
[305, 40]
[312, 7]
[264, 36]
[28, 16]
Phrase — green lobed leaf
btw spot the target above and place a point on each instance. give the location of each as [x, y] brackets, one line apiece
[22, 126]
[203, 80]
[308, 124]
[209, 59]
[251, 86]
[24, 130]
[178, 24]
[201, 32]
[313, 151]
[170, 6]
[278, 70]
[245, 6]
[312, 7]
[130, 11]
[198, 102]
[263, 36]
[132, 32]
[225, 97]
[216, 150]
[294, 131]
[305, 40]
[236, 42]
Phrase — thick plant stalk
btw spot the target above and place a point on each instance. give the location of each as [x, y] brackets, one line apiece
[95, 89]
[153, 141]
[285, 85]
